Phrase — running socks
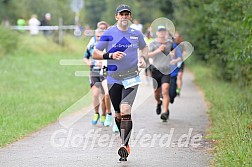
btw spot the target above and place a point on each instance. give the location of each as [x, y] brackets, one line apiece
[125, 129]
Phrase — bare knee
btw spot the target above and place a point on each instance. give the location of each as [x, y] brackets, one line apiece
[165, 92]
[125, 109]
[165, 89]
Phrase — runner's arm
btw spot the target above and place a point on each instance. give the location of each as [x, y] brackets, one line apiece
[142, 57]
[86, 57]
[87, 61]
[155, 52]
[143, 52]
[100, 55]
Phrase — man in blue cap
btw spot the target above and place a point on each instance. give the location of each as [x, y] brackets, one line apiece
[122, 43]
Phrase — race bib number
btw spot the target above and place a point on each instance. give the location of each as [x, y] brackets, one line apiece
[131, 82]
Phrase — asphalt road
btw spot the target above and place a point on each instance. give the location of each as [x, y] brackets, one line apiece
[73, 141]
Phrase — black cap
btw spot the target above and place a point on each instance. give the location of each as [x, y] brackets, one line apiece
[122, 8]
[161, 28]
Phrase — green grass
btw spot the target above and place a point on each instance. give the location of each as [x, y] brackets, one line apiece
[35, 88]
[231, 117]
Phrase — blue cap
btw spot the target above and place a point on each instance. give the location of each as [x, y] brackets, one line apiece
[122, 8]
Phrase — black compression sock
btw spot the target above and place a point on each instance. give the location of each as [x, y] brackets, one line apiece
[126, 127]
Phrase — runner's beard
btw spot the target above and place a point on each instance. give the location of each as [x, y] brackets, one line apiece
[124, 23]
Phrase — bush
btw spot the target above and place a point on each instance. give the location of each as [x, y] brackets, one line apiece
[222, 40]
[8, 40]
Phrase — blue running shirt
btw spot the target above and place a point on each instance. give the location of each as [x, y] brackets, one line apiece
[178, 53]
[128, 42]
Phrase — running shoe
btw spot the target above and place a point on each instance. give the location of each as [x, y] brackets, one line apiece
[171, 100]
[95, 119]
[103, 118]
[124, 152]
[178, 91]
[165, 116]
[108, 121]
[158, 108]
[115, 128]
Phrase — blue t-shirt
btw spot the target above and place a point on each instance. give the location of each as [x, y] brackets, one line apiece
[178, 53]
[128, 42]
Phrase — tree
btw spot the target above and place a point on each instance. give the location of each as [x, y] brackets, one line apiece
[223, 40]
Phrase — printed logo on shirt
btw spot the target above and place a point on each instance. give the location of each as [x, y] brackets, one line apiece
[122, 45]
[132, 37]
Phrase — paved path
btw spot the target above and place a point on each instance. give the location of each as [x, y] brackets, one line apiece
[153, 142]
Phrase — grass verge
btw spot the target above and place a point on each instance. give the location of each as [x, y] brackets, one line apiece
[34, 88]
[231, 116]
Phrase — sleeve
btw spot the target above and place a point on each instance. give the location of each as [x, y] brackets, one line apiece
[91, 42]
[104, 40]
[151, 47]
[87, 54]
[142, 42]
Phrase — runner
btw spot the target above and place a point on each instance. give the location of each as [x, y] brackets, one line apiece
[100, 25]
[176, 58]
[122, 44]
[159, 50]
[178, 39]
[98, 84]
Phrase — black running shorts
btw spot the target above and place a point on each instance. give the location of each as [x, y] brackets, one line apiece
[160, 78]
[118, 94]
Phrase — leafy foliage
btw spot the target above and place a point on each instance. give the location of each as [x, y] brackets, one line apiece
[221, 34]
[93, 11]
[26, 8]
[220, 31]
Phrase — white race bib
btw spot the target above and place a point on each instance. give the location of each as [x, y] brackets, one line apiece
[131, 82]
